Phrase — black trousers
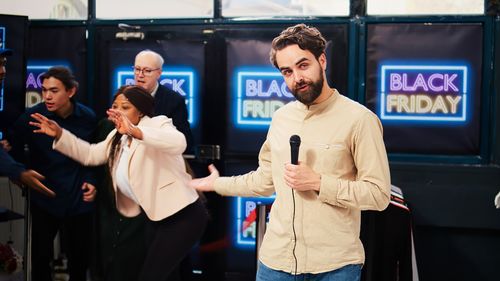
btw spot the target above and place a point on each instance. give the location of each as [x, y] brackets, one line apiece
[121, 246]
[171, 239]
[77, 232]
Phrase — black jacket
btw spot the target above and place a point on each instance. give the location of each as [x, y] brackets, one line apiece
[173, 105]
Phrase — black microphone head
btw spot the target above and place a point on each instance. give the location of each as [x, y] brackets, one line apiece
[294, 149]
[295, 140]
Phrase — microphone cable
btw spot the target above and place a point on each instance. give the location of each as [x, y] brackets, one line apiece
[294, 151]
[294, 235]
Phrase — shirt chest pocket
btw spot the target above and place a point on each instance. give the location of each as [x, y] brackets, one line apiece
[332, 157]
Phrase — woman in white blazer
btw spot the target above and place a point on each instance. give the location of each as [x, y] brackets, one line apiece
[144, 155]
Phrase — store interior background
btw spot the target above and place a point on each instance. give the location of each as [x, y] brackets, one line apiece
[449, 182]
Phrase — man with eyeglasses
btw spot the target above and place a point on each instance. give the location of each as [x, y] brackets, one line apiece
[148, 67]
[8, 167]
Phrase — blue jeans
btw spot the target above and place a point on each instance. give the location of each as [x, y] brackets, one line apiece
[350, 272]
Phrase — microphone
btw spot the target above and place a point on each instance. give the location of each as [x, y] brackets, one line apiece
[294, 149]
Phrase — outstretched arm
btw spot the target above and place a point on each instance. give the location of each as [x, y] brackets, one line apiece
[18, 174]
[46, 126]
[69, 144]
[206, 183]
[122, 124]
[33, 179]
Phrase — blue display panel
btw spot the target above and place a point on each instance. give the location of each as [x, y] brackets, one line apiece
[70, 52]
[183, 80]
[254, 91]
[425, 90]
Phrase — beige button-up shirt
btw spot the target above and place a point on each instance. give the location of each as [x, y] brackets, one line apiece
[342, 141]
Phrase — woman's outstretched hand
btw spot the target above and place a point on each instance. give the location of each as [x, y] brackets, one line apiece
[206, 183]
[46, 126]
[122, 124]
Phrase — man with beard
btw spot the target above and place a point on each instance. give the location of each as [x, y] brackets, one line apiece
[314, 224]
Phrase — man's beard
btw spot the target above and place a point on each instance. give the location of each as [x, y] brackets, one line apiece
[309, 96]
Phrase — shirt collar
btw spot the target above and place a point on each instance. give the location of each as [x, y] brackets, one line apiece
[153, 93]
[320, 106]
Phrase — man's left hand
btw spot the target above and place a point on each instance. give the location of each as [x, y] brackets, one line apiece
[33, 179]
[301, 178]
[89, 192]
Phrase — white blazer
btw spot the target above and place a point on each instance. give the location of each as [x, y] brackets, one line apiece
[156, 169]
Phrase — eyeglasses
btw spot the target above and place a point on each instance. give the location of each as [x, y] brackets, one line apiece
[144, 71]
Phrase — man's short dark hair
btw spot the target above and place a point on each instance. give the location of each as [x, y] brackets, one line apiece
[306, 37]
[62, 74]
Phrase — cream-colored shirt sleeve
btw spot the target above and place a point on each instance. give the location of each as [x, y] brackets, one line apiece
[252, 184]
[371, 189]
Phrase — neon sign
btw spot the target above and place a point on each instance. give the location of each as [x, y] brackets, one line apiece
[423, 92]
[259, 93]
[178, 79]
[245, 221]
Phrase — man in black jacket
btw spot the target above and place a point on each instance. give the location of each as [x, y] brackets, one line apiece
[72, 210]
[8, 167]
[148, 67]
